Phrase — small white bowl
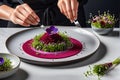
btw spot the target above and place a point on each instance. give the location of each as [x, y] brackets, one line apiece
[15, 65]
[102, 31]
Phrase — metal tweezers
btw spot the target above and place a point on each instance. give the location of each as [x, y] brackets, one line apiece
[77, 23]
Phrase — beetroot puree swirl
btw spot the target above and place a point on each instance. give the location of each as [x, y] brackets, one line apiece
[28, 49]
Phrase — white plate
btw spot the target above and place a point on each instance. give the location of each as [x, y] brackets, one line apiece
[90, 44]
[15, 65]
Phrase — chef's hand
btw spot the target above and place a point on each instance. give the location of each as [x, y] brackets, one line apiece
[24, 15]
[69, 8]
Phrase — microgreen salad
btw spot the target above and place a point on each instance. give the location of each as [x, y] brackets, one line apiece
[101, 69]
[52, 41]
[105, 20]
[5, 64]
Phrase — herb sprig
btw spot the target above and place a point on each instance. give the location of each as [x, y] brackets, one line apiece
[101, 69]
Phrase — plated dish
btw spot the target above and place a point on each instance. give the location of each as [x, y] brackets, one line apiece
[9, 65]
[88, 41]
[52, 44]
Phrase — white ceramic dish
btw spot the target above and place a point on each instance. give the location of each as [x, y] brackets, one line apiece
[102, 31]
[90, 44]
[15, 65]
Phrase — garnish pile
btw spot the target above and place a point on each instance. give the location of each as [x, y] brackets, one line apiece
[101, 69]
[51, 41]
[105, 20]
[5, 64]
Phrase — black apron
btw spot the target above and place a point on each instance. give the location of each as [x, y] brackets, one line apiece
[50, 14]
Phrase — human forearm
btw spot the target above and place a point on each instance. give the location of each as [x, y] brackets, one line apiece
[5, 12]
[22, 15]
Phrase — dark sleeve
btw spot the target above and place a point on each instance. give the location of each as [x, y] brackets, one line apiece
[1, 2]
[82, 2]
[5, 2]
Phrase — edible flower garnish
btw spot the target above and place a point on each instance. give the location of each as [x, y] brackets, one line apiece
[1, 60]
[101, 69]
[105, 20]
[52, 30]
[5, 64]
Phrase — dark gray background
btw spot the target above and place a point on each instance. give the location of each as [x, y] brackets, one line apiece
[93, 6]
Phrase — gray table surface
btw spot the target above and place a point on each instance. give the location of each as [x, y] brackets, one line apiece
[108, 51]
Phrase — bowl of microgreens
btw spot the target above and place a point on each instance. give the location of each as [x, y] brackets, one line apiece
[9, 64]
[103, 23]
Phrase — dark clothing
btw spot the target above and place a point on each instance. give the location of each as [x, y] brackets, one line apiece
[48, 12]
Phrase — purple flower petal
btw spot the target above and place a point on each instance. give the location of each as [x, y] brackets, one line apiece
[51, 30]
[52, 27]
[48, 30]
[56, 30]
[1, 60]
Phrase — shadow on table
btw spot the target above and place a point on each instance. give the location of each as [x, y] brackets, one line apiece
[98, 55]
[59, 77]
[114, 34]
[19, 75]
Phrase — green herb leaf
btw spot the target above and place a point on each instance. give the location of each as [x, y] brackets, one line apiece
[6, 66]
